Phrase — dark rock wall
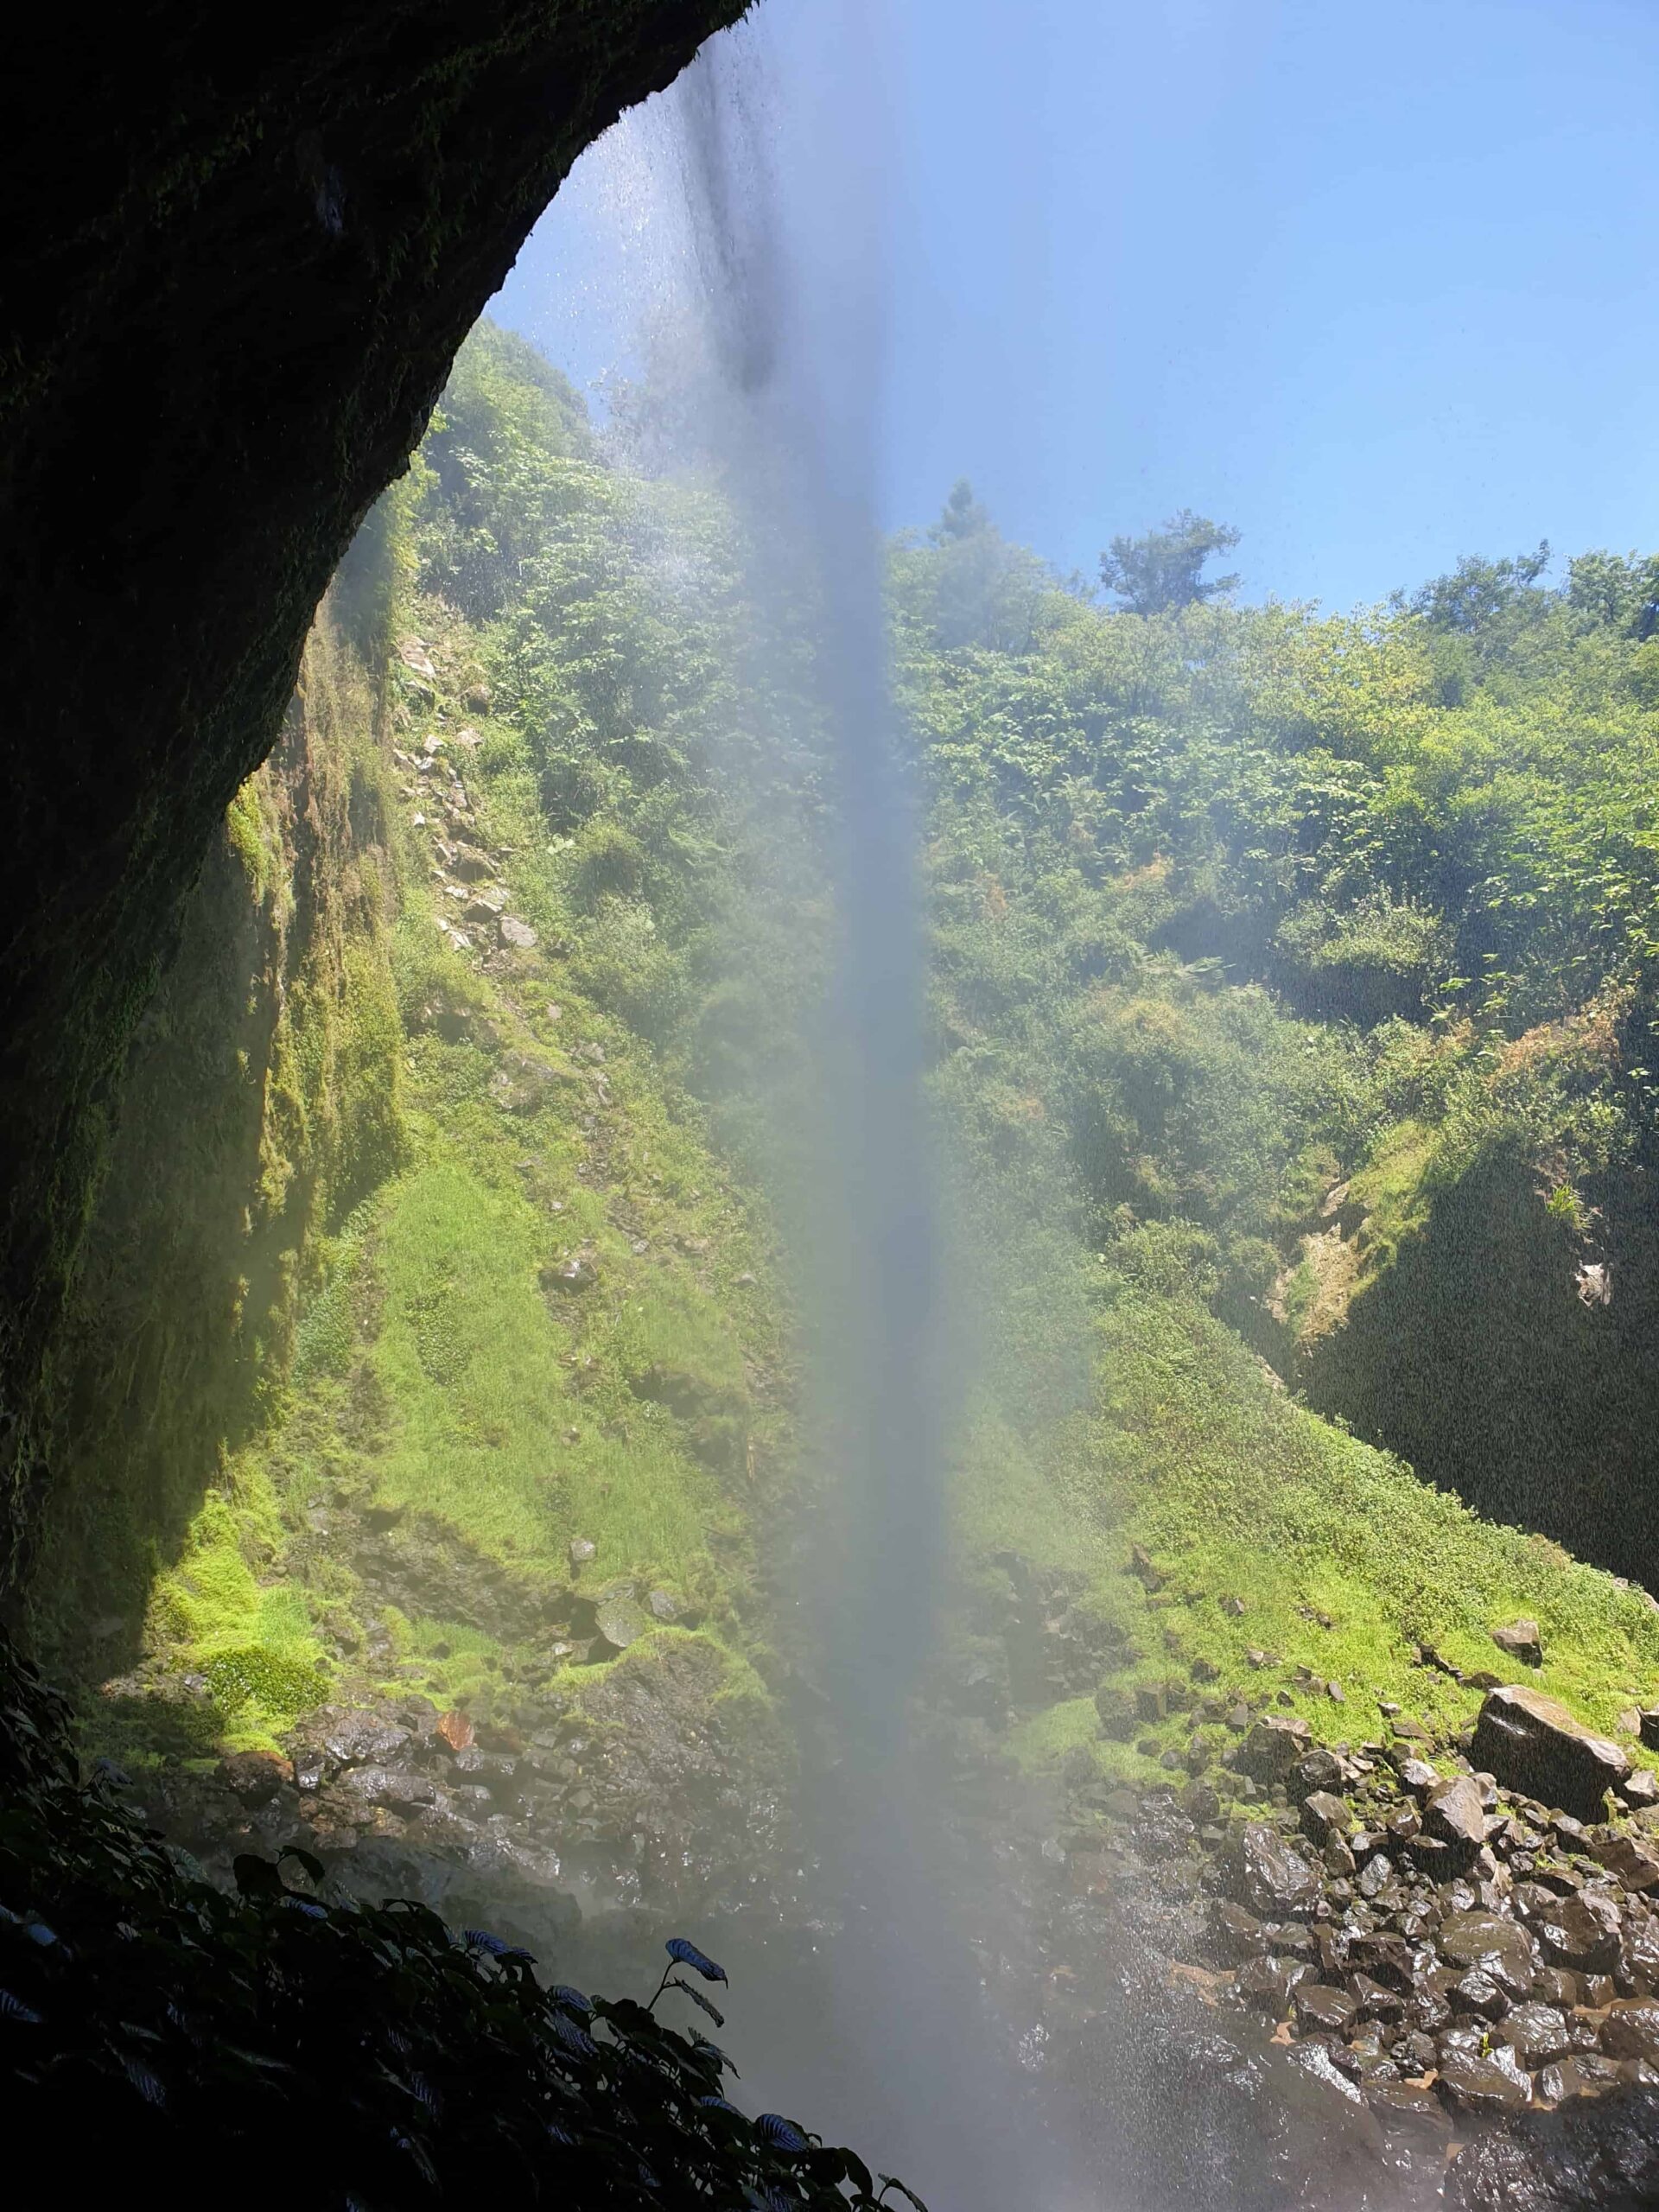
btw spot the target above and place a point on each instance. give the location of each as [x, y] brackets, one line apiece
[239, 256]
[1474, 1357]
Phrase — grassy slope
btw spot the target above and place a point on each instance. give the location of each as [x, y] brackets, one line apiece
[1193, 1450]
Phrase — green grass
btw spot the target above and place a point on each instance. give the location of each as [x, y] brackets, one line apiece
[252, 1637]
[1236, 1490]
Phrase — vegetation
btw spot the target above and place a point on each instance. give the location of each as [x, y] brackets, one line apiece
[1291, 981]
[141, 2005]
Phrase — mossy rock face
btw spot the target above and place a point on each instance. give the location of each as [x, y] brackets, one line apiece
[367, 179]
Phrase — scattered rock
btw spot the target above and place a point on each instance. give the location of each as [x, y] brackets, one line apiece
[1453, 1814]
[1268, 1876]
[1483, 2085]
[581, 1551]
[255, 1776]
[1324, 1815]
[1499, 1947]
[1520, 1640]
[1636, 1865]
[1150, 1578]
[1273, 1746]
[1580, 1931]
[1533, 1744]
[1316, 2004]
[619, 1619]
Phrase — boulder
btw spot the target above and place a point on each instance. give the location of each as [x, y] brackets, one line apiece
[1321, 1769]
[1316, 2004]
[1636, 1865]
[1324, 1815]
[619, 1619]
[1533, 1744]
[400, 1788]
[1453, 1814]
[1536, 2033]
[1269, 1877]
[1499, 1947]
[1273, 1746]
[255, 1776]
[1267, 1983]
[1631, 2028]
[1475, 2084]
[358, 1738]
[1583, 2074]
[1521, 1640]
[1580, 1931]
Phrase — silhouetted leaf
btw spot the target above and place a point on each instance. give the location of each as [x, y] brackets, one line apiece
[700, 2000]
[686, 1954]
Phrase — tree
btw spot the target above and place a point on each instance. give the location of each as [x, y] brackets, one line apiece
[1164, 570]
[1479, 589]
[963, 517]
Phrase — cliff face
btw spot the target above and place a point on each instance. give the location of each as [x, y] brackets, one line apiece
[237, 270]
[261, 1097]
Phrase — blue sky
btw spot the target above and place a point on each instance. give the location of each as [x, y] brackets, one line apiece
[1376, 282]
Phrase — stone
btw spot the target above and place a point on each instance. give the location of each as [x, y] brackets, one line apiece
[1320, 1769]
[1316, 2006]
[1533, 1744]
[1385, 1958]
[1267, 1983]
[1648, 1728]
[1585, 2074]
[359, 1737]
[1631, 2028]
[1536, 2033]
[1237, 1934]
[1273, 1746]
[1324, 1816]
[1150, 1578]
[255, 1776]
[576, 1275]
[516, 933]
[581, 1551]
[1417, 1777]
[1500, 1947]
[400, 1788]
[1268, 1876]
[457, 1730]
[1635, 1864]
[1453, 1814]
[1233, 1607]
[1406, 2105]
[1477, 1993]
[662, 1607]
[1580, 1931]
[620, 1619]
[1520, 1640]
[1475, 2084]
[1640, 1789]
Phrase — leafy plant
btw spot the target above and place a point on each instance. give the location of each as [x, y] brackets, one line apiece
[276, 2039]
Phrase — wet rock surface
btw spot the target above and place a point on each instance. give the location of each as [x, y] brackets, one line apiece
[1531, 1742]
